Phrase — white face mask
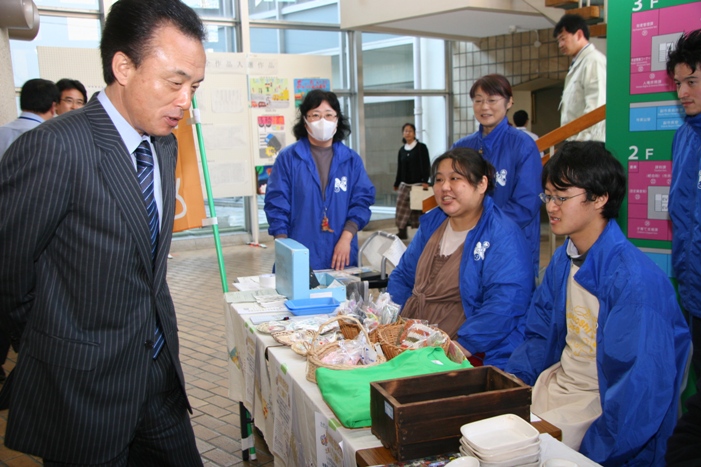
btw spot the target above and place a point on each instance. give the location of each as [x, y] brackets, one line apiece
[322, 130]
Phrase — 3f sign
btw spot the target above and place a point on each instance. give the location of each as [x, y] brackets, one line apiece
[638, 5]
[634, 154]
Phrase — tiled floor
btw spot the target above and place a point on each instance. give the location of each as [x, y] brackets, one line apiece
[194, 280]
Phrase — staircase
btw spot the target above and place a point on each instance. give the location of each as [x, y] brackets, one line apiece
[591, 10]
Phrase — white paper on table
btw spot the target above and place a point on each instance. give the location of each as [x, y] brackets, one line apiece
[282, 408]
[550, 448]
[247, 283]
[251, 295]
[257, 319]
[321, 424]
[395, 251]
[249, 370]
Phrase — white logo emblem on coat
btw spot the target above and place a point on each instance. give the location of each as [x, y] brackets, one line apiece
[341, 184]
[698, 185]
[480, 249]
[501, 177]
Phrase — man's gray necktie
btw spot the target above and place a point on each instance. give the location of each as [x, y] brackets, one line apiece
[144, 172]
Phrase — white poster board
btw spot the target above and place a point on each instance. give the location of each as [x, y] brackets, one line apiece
[243, 100]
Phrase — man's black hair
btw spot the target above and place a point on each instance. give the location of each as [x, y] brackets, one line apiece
[66, 84]
[38, 95]
[686, 51]
[132, 24]
[588, 165]
[520, 118]
[311, 101]
[571, 23]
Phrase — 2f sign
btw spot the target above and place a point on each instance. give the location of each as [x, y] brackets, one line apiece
[638, 5]
[634, 153]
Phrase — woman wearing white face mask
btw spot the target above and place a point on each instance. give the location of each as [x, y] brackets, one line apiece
[319, 193]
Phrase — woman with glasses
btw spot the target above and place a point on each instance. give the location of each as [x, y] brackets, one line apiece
[468, 268]
[319, 193]
[513, 154]
[413, 167]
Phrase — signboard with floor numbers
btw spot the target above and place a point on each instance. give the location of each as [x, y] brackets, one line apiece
[643, 112]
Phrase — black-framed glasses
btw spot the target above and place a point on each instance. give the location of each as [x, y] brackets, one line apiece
[558, 200]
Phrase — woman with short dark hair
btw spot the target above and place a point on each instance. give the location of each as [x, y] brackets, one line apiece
[513, 154]
[468, 268]
[319, 193]
[413, 168]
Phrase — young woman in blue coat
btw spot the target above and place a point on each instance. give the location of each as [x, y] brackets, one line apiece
[468, 269]
[513, 154]
[319, 193]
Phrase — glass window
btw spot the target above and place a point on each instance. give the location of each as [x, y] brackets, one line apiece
[309, 11]
[220, 38]
[212, 8]
[389, 62]
[53, 31]
[384, 118]
[74, 4]
[295, 41]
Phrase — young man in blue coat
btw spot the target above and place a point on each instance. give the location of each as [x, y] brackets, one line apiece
[684, 66]
[606, 343]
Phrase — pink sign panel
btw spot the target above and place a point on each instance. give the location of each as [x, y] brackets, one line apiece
[681, 18]
[653, 33]
[647, 229]
[648, 192]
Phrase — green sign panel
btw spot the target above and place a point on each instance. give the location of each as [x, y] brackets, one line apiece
[642, 111]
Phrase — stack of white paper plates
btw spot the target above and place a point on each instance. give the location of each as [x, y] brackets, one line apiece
[502, 441]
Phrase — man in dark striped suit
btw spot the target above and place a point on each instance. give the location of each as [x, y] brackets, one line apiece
[85, 229]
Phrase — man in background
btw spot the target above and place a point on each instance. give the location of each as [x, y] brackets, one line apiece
[521, 121]
[38, 100]
[73, 95]
[585, 84]
[88, 201]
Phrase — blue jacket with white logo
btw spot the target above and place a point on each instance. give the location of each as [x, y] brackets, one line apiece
[685, 211]
[516, 159]
[642, 346]
[496, 281]
[294, 205]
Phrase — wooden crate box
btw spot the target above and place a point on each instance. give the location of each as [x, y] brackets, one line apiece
[421, 416]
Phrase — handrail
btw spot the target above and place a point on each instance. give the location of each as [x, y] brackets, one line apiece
[558, 135]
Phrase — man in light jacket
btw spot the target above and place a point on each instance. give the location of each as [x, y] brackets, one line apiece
[585, 84]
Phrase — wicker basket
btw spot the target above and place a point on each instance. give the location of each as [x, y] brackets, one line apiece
[351, 330]
[316, 353]
[389, 335]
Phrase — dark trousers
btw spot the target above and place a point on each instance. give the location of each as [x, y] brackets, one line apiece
[695, 328]
[163, 433]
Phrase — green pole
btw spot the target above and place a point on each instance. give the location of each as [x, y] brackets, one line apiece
[210, 198]
[246, 428]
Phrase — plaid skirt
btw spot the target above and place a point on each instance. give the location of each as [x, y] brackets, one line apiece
[404, 215]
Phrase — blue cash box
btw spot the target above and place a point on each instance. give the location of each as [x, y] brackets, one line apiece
[292, 274]
[312, 306]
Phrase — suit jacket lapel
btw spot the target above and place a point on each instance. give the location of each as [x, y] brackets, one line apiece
[120, 178]
[166, 151]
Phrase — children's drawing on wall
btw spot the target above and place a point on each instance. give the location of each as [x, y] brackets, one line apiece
[269, 92]
[271, 135]
[262, 175]
[304, 85]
